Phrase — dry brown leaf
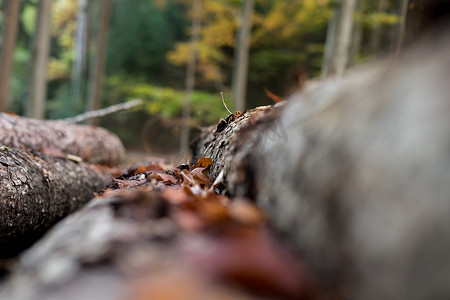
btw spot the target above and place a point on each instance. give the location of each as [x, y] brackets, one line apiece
[165, 178]
[272, 96]
[203, 162]
[175, 195]
[148, 168]
[200, 177]
[246, 212]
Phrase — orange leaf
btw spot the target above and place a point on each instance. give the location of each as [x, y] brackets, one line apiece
[272, 96]
[149, 168]
[166, 178]
[203, 162]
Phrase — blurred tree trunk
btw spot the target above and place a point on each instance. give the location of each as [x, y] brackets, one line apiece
[9, 34]
[342, 41]
[330, 39]
[79, 62]
[357, 35]
[401, 27]
[190, 76]
[375, 38]
[241, 51]
[99, 63]
[39, 62]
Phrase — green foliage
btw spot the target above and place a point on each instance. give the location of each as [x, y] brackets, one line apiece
[141, 33]
[206, 108]
[19, 79]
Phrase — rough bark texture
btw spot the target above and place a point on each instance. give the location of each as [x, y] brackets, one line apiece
[37, 190]
[358, 177]
[93, 144]
[121, 247]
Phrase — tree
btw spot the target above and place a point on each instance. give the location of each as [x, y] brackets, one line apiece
[80, 47]
[357, 34]
[342, 41]
[242, 47]
[401, 27]
[98, 72]
[190, 75]
[9, 34]
[39, 62]
[330, 39]
[377, 30]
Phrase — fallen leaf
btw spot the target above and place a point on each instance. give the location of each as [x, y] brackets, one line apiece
[272, 96]
[246, 212]
[165, 178]
[175, 195]
[200, 177]
[203, 162]
[148, 168]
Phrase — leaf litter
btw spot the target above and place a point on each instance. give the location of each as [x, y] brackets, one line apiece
[221, 240]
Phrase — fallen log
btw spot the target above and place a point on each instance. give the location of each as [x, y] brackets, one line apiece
[37, 190]
[355, 174]
[92, 144]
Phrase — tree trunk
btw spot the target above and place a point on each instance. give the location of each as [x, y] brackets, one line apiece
[354, 176]
[242, 48]
[375, 38]
[357, 35]
[38, 190]
[80, 48]
[343, 39]
[330, 39]
[190, 77]
[401, 27]
[99, 65]
[94, 145]
[41, 48]
[9, 34]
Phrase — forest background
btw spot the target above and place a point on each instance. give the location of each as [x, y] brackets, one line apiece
[148, 48]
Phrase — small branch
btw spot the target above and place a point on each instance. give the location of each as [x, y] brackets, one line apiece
[223, 101]
[103, 112]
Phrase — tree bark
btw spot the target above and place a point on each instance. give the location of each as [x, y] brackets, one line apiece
[80, 51]
[38, 190]
[242, 48]
[330, 39]
[190, 76]
[342, 41]
[9, 35]
[375, 38]
[99, 65]
[401, 27]
[354, 173]
[41, 47]
[92, 144]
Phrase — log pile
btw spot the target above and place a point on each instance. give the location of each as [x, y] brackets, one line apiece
[352, 173]
[46, 172]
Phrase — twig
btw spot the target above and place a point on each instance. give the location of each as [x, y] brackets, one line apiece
[223, 101]
[103, 112]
